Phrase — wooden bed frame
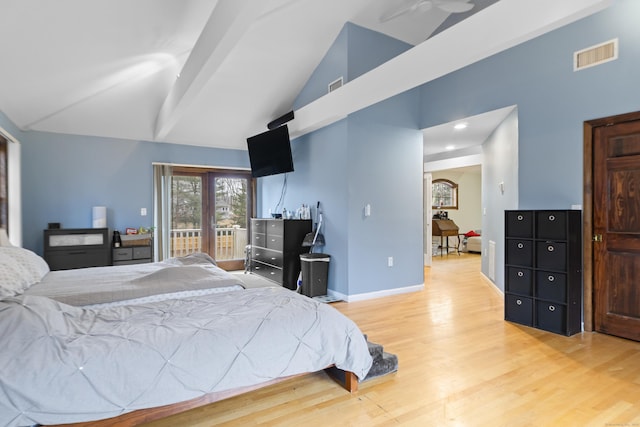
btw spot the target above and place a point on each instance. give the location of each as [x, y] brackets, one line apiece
[347, 379]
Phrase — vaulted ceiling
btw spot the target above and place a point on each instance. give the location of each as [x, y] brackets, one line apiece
[212, 73]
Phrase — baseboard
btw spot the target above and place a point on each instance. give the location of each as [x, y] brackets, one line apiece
[491, 284]
[376, 294]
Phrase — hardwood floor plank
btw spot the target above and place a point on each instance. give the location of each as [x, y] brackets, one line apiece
[460, 364]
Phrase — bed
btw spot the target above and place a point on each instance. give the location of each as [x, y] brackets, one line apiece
[95, 287]
[65, 364]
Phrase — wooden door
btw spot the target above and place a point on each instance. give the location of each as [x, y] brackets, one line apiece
[616, 226]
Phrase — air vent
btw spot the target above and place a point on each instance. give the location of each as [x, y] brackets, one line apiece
[336, 84]
[595, 55]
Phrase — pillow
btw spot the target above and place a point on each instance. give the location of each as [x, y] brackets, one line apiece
[27, 263]
[13, 278]
[471, 234]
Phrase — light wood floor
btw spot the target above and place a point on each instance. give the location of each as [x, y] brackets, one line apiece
[460, 364]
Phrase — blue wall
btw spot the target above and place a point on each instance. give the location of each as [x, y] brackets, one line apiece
[64, 176]
[355, 51]
[353, 163]
[385, 171]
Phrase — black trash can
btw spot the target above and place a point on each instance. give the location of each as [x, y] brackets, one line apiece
[315, 272]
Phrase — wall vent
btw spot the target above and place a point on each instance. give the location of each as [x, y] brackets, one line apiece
[595, 55]
[336, 84]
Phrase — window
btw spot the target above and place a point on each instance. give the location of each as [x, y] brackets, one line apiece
[444, 194]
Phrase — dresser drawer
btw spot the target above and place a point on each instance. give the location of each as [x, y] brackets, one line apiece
[551, 225]
[519, 224]
[551, 317]
[519, 252]
[275, 228]
[259, 239]
[275, 242]
[77, 258]
[122, 254]
[520, 281]
[259, 226]
[518, 309]
[267, 271]
[551, 286]
[267, 256]
[141, 252]
[551, 255]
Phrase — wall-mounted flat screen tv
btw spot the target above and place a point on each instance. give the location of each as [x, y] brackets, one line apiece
[270, 152]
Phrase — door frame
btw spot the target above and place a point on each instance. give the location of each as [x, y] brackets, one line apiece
[587, 210]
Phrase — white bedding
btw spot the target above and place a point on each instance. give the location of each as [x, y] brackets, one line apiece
[63, 364]
[193, 275]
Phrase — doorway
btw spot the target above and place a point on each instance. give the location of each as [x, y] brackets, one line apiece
[467, 214]
[494, 146]
[611, 228]
[210, 213]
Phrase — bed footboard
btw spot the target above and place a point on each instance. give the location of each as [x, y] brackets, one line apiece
[348, 380]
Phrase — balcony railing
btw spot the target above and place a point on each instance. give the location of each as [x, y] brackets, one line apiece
[230, 242]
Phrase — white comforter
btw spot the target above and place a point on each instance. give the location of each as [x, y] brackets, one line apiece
[96, 286]
[64, 364]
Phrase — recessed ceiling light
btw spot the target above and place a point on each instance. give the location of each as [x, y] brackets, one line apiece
[450, 147]
[460, 126]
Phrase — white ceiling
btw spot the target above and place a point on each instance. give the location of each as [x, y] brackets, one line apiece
[212, 73]
[478, 128]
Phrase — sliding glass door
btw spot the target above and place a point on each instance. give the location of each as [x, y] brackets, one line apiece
[210, 213]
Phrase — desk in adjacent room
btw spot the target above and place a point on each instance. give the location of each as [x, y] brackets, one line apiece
[445, 228]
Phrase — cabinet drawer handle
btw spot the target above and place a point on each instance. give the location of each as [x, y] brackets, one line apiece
[551, 278]
[519, 301]
[552, 217]
[520, 217]
[520, 274]
[552, 308]
[520, 245]
[550, 248]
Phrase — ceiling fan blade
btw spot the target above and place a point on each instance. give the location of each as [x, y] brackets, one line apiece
[455, 6]
[395, 13]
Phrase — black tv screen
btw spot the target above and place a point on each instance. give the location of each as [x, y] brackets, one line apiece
[270, 152]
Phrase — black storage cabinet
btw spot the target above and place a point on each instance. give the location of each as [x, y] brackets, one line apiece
[70, 248]
[276, 245]
[543, 269]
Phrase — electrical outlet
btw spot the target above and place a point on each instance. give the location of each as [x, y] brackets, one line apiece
[390, 261]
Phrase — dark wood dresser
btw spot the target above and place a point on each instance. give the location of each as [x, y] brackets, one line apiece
[276, 245]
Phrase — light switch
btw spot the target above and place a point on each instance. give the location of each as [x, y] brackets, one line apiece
[143, 211]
